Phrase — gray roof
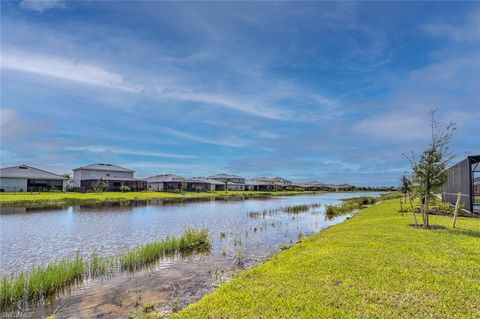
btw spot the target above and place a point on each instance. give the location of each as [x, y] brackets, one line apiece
[222, 175]
[25, 171]
[204, 180]
[314, 183]
[165, 178]
[113, 179]
[105, 167]
[271, 180]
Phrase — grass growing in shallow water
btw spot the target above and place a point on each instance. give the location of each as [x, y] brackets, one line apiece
[192, 241]
[40, 282]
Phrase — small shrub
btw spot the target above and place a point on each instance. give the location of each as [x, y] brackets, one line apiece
[148, 307]
[124, 188]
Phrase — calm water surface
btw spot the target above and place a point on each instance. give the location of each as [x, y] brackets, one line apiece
[37, 237]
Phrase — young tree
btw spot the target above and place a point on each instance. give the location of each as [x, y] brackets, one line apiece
[429, 172]
[101, 185]
[183, 186]
[406, 184]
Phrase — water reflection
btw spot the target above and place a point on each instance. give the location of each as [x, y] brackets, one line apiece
[33, 237]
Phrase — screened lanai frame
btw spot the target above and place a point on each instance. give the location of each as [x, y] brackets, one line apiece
[464, 177]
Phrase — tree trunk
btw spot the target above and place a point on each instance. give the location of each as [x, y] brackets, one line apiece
[411, 207]
[401, 206]
[426, 212]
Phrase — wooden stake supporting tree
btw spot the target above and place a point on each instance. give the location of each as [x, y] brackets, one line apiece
[411, 207]
[457, 206]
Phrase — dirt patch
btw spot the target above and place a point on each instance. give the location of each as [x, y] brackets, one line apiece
[431, 227]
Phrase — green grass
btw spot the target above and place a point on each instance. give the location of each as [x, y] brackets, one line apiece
[40, 282]
[373, 265]
[52, 199]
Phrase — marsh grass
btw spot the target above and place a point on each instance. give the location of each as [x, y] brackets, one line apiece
[40, 282]
[296, 209]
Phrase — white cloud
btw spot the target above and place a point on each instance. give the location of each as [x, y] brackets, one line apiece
[41, 5]
[116, 150]
[399, 126]
[469, 31]
[63, 68]
[223, 100]
[15, 127]
[229, 141]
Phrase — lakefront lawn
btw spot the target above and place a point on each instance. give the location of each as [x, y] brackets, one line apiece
[373, 265]
[46, 199]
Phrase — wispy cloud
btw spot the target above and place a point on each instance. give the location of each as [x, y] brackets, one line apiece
[398, 126]
[41, 5]
[63, 68]
[125, 151]
[467, 31]
[15, 126]
[224, 101]
[221, 141]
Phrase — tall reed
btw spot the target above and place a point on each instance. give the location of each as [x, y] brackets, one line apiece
[40, 282]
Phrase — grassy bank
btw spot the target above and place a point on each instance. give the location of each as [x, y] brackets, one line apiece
[373, 265]
[40, 282]
[51, 199]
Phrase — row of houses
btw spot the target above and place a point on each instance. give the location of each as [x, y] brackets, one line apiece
[30, 179]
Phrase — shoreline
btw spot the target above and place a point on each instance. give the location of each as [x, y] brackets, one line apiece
[321, 276]
[46, 200]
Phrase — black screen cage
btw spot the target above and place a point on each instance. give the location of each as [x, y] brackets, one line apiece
[464, 178]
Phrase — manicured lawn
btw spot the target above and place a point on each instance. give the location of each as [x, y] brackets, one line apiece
[371, 266]
[44, 199]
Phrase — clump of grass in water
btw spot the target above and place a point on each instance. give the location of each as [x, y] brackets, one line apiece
[40, 282]
[348, 206]
[297, 209]
[192, 241]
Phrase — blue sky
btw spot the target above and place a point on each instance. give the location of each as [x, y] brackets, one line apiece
[334, 92]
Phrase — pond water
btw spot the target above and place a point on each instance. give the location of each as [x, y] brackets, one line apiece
[241, 236]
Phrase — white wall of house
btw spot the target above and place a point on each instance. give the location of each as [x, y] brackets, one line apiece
[86, 174]
[155, 186]
[10, 184]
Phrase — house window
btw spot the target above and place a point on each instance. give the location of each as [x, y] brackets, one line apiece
[108, 175]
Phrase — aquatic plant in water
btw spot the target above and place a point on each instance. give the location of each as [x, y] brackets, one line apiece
[40, 282]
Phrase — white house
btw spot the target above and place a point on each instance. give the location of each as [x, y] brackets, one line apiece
[232, 182]
[24, 178]
[87, 177]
